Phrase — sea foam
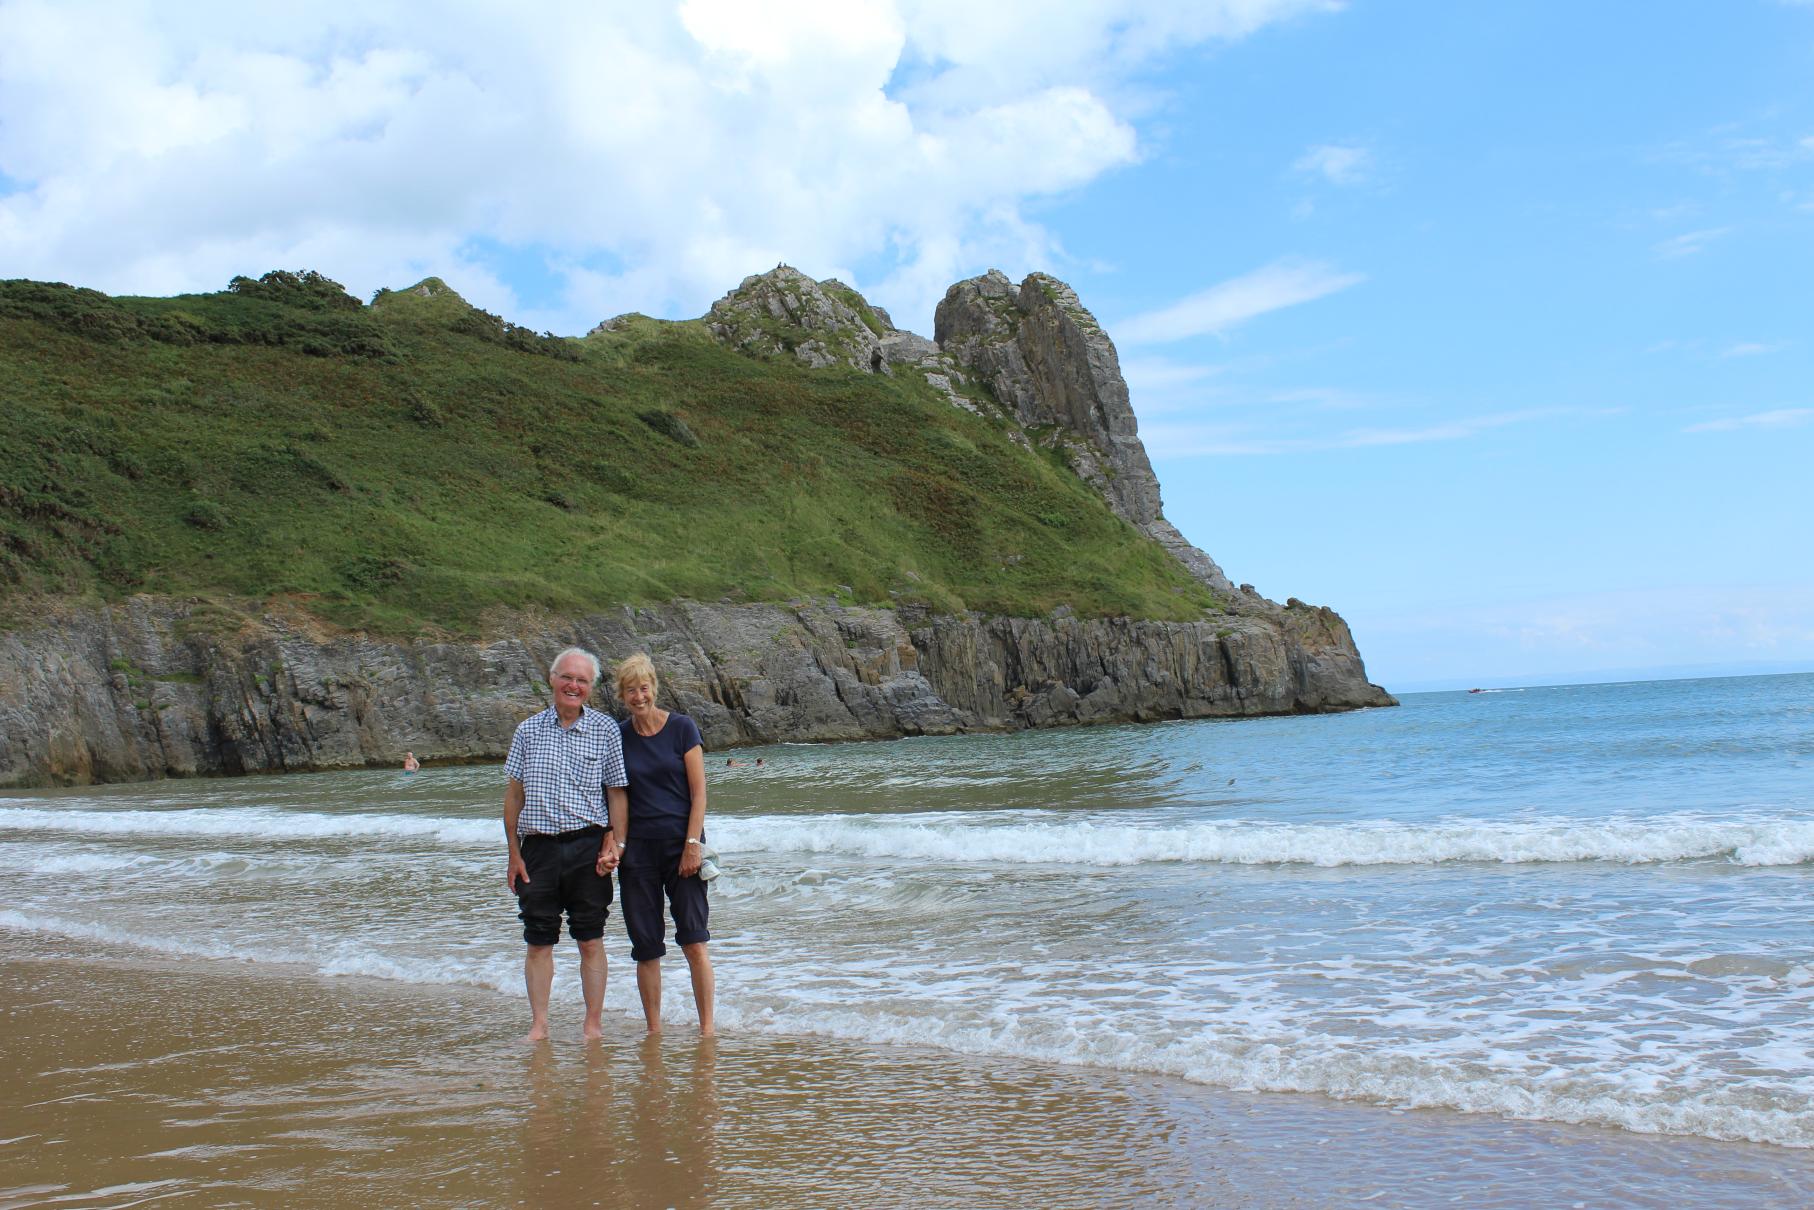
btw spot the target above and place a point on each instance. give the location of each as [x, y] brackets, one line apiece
[980, 837]
[1756, 842]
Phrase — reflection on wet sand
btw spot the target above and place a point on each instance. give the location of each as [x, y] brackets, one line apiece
[641, 1122]
[125, 1083]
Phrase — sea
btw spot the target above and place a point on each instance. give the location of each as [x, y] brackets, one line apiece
[1578, 915]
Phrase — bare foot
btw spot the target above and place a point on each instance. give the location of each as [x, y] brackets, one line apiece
[537, 1033]
[594, 1031]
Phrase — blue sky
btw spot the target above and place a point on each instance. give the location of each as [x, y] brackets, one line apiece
[1487, 325]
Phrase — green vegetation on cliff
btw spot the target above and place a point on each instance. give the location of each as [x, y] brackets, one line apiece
[417, 462]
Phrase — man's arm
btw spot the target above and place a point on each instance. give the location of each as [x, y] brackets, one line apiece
[513, 808]
[617, 810]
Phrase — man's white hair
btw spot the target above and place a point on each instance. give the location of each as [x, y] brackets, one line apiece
[591, 659]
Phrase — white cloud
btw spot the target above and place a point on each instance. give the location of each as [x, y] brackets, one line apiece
[1158, 386]
[1781, 418]
[1752, 348]
[1233, 302]
[651, 154]
[1337, 164]
[1690, 243]
[1325, 398]
[1188, 439]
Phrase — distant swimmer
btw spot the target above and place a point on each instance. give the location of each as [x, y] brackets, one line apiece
[731, 764]
[758, 762]
[410, 763]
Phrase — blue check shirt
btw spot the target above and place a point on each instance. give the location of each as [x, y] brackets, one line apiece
[564, 770]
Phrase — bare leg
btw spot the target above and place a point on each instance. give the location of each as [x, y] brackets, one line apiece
[648, 986]
[538, 977]
[592, 984]
[704, 985]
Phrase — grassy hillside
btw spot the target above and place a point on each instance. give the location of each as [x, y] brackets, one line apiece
[415, 463]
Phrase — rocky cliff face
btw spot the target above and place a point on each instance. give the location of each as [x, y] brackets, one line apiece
[160, 688]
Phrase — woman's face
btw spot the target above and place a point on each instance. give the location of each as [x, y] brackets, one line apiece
[638, 697]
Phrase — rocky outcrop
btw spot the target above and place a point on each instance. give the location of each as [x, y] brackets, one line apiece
[163, 688]
[1043, 355]
[158, 687]
[785, 313]
[1034, 348]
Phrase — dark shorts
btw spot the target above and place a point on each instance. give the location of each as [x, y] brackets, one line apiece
[563, 878]
[650, 867]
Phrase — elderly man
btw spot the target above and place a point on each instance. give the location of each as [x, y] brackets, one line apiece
[566, 770]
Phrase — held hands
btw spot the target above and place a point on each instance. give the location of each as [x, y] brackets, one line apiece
[608, 855]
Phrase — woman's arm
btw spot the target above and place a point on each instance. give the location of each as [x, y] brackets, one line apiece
[692, 852]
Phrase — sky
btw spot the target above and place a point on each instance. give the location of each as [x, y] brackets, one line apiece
[1486, 325]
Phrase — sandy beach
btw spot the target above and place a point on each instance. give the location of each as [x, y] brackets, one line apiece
[138, 1082]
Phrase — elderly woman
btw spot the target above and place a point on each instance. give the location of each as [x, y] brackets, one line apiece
[663, 840]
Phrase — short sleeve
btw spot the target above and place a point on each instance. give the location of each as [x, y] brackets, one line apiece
[513, 764]
[689, 737]
[611, 768]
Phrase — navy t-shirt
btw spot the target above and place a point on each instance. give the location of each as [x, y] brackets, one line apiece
[660, 799]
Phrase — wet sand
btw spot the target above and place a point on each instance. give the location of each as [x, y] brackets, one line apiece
[131, 1082]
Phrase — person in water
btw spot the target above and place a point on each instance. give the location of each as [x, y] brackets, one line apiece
[410, 763]
[565, 791]
[663, 830]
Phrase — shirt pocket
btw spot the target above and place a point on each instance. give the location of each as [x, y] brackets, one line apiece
[583, 770]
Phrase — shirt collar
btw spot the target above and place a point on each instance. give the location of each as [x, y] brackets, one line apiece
[553, 718]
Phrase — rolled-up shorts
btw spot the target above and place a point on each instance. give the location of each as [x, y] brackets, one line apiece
[651, 866]
[563, 877]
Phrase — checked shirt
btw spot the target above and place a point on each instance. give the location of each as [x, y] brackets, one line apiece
[564, 770]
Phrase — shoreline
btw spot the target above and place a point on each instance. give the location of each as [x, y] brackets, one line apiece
[221, 1077]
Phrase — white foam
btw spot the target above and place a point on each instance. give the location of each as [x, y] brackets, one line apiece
[1258, 1043]
[132, 863]
[256, 822]
[345, 958]
[1373, 1074]
[998, 837]
[1754, 842]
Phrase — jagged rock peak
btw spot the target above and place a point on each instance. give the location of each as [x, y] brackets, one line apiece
[1045, 357]
[784, 311]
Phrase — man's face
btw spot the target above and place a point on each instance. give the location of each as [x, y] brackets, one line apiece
[572, 683]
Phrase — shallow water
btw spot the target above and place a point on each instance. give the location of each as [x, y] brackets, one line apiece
[1573, 905]
[212, 1083]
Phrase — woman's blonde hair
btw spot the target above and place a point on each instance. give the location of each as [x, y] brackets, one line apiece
[632, 669]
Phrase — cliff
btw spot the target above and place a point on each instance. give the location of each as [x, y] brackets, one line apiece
[154, 688]
[903, 536]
